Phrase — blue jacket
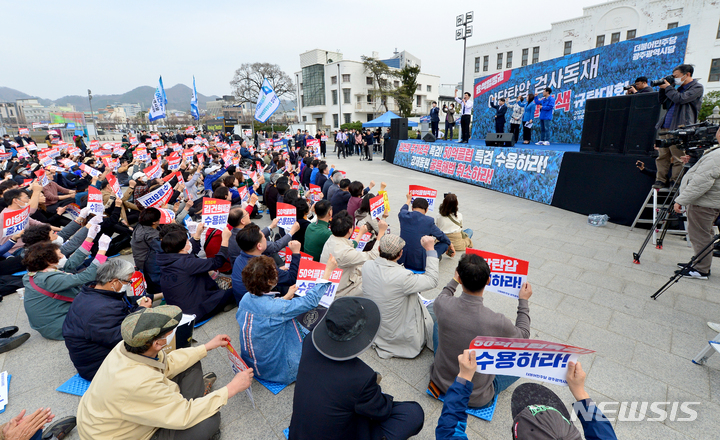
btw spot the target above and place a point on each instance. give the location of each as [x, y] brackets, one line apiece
[313, 176]
[339, 201]
[529, 114]
[285, 277]
[547, 106]
[434, 114]
[598, 427]
[453, 419]
[413, 226]
[244, 152]
[270, 337]
[210, 178]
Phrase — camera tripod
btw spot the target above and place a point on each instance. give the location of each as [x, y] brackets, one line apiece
[662, 215]
[687, 267]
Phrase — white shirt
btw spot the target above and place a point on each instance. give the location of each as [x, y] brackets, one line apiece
[466, 106]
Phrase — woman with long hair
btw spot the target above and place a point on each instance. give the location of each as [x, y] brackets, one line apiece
[451, 223]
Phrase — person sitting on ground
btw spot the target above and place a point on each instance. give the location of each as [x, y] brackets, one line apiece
[145, 244]
[356, 193]
[332, 185]
[317, 233]
[406, 325]
[302, 209]
[461, 319]
[92, 325]
[450, 223]
[31, 427]
[17, 199]
[453, 419]
[184, 278]
[348, 258]
[51, 284]
[141, 393]
[336, 392]
[341, 197]
[253, 243]
[363, 217]
[414, 225]
[270, 340]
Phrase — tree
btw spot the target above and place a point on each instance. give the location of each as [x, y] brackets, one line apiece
[405, 94]
[709, 102]
[382, 79]
[249, 78]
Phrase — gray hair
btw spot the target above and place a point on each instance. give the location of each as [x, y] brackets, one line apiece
[115, 269]
[337, 177]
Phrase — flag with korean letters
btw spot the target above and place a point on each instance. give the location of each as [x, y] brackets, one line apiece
[114, 185]
[507, 274]
[286, 216]
[42, 177]
[309, 273]
[95, 201]
[15, 221]
[361, 241]
[158, 197]
[377, 206]
[215, 213]
[527, 358]
[428, 194]
[111, 163]
[244, 194]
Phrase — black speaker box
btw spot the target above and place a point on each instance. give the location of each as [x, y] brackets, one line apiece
[399, 128]
[499, 140]
[644, 114]
[593, 125]
[429, 137]
[615, 124]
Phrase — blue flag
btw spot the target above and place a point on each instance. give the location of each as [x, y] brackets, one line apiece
[157, 109]
[267, 103]
[193, 103]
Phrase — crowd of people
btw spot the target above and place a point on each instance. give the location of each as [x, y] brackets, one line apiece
[117, 316]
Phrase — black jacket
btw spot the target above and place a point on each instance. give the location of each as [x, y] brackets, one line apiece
[92, 327]
[339, 201]
[336, 399]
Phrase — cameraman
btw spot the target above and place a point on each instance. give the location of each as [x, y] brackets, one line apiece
[700, 195]
[682, 107]
[640, 86]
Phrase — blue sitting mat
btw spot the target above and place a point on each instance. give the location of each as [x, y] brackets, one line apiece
[200, 324]
[10, 377]
[274, 387]
[287, 433]
[484, 413]
[19, 274]
[76, 386]
[419, 272]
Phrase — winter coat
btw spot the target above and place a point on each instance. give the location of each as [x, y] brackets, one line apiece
[701, 184]
[350, 260]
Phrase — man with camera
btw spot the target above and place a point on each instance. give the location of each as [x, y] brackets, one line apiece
[640, 86]
[682, 105]
[700, 195]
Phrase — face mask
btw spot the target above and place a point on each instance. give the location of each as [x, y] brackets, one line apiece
[678, 81]
[23, 205]
[62, 262]
[59, 241]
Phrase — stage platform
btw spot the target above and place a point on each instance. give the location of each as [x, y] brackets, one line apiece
[558, 175]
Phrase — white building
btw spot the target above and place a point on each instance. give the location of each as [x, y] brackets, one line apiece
[333, 91]
[604, 24]
[131, 110]
[30, 110]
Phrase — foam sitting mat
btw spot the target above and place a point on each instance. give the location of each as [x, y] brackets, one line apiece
[484, 413]
[274, 387]
[76, 386]
[201, 323]
[287, 433]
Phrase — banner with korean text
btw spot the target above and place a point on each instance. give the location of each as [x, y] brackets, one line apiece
[530, 174]
[215, 213]
[507, 274]
[596, 73]
[15, 221]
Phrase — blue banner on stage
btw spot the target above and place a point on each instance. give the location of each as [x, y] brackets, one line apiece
[595, 73]
[527, 173]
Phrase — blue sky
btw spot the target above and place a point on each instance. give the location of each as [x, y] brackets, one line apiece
[51, 48]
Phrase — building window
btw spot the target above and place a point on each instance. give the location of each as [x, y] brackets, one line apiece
[346, 77]
[714, 70]
[568, 48]
[314, 84]
[477, 64]
[346, 96]
[396, 84]
[334, 97]
[369, 98]
[302, 100]
[304, 118]
[333, 80]
[600, 41]
[631, 34]
[336, 120]
[346, 117]
[499, 61]
[508, 61]
[615, 37]
[369, 80]
[419, 100]
[536, 54]
[429, 88]
[419, 87]
[672, 25]
[718, 34]
[486, 62]
[524, 60]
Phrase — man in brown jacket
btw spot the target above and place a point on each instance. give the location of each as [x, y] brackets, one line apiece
[461, 318]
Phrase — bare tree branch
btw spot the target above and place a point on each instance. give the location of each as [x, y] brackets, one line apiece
[248, 80]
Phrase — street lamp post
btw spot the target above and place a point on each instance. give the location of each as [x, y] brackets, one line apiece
[92, 115]
[463, 32]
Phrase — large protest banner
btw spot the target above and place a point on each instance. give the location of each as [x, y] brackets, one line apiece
[596, 73]
[530, 174]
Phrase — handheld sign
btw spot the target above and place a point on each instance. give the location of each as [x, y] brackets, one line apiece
[329, 296]
[24, 131]
[73, 210]
[362, 241]
[114, 185]
[158, 197]
[314, 193]
[244, 194]
[428, 194]
[507, 274]
[215, 213]
[95, 201]
[167, 216]
[377, 207]
[90, 171]
[286, 255]
[15, 221]
[527, 358]
[238, 365]
[309, 273]
[137, 281]
[153, 171]
[42, 177]
[286, 216]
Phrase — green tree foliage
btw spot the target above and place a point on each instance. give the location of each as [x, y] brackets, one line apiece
[405, 94]
[357, 125]
[382, 76]
[710, 100]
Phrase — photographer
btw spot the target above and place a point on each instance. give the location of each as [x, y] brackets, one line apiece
[700, 195]
[640, 86]
[682, 107]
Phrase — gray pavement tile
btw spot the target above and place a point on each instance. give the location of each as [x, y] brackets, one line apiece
[705, 309]
[578, 250]
[605, 343]
[572, 287]
[656, 335]
[539, 277]
[250, 425]
[412, 370]
[620, 383]
[648, 430]
[619, 301]
[545, 297]
[551, 322]
[672, 369]
[585, 311]
[603, 280]
[701, 424]
[563, 269]
[656, 311]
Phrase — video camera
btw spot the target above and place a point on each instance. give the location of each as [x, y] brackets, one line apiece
[694, 139]
[658, 82]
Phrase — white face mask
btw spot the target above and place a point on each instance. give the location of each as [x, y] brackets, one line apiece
[23, 205]
[678, 81]
[59, 241]
[62, 262]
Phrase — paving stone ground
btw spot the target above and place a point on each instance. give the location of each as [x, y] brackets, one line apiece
[587, 292]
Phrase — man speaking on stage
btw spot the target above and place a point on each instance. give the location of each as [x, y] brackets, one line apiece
[465, 112]
[700, 195]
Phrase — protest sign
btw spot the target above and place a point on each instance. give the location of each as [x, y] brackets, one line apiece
[137, 284]
[111, 163]
[428, 194]
[89, 170]
[22, 152]
[174, 161]
[72, 151]
[215, 213]
[377, 207]
[32, 146]
[114, 185]
[15, 221]
[309, 273]
[158, 197]
[314, 193]
[140, 154]
[42, 177]
[244, 194]
[5, 156]
[507, 274]
[153, 171]
[95, 201]
[167, 216]
[329, 295]
[361, 241]
[238, 365]
[286, 255]
[286, 216]
[24, 132]
[527, 358]
[73, 209]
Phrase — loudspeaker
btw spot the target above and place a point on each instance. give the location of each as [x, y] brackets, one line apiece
[399, 128]
[389, 150]
[499, 140]
[615, 124]
[644, 114]
[593, 125]
[429, 138]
